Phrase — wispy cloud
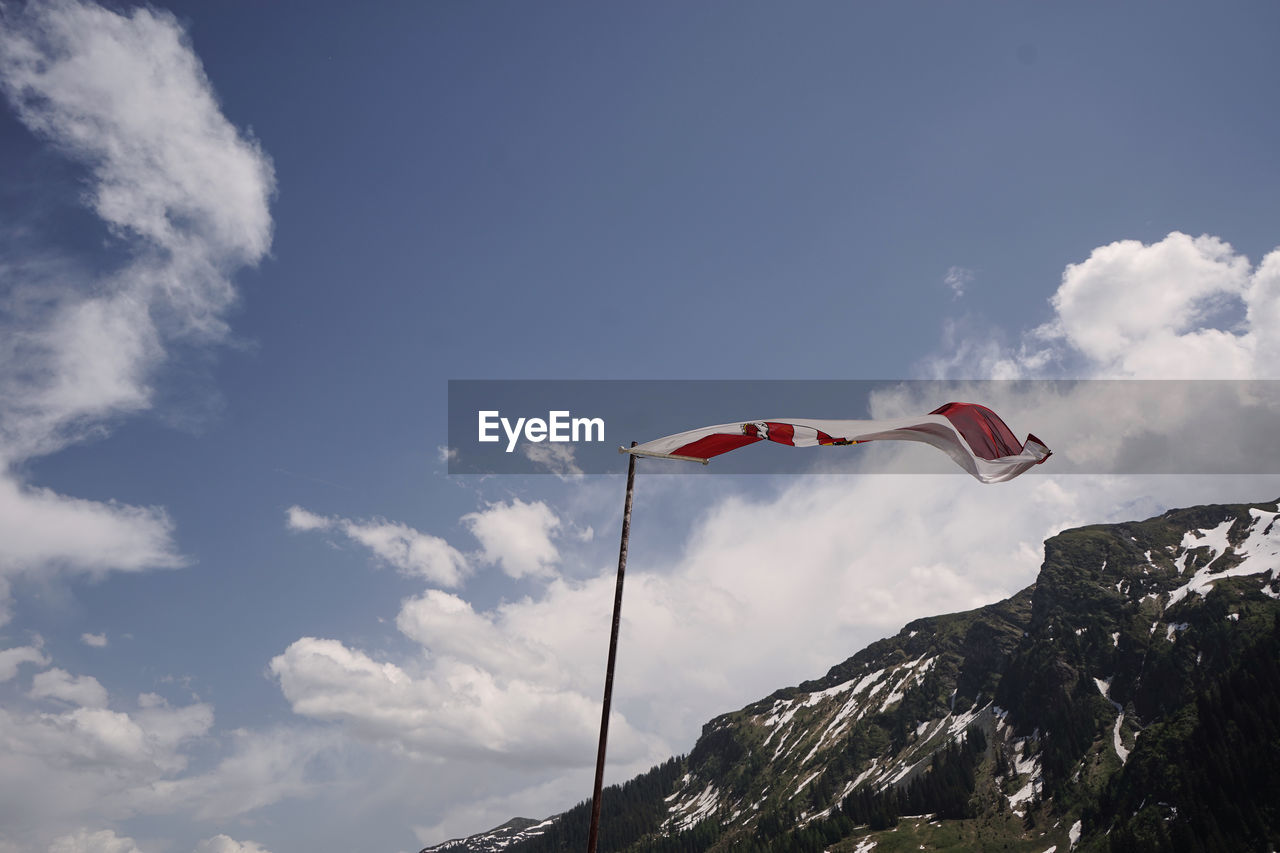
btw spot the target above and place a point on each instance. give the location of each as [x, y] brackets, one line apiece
[957, 279]
[175, 185]
[556, 458]
[411, 551]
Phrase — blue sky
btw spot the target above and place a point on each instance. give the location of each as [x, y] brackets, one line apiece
[244, 248]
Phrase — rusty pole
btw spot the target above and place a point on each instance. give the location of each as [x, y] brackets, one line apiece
[594, 836]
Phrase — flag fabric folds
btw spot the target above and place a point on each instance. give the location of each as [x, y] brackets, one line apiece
[972, 435]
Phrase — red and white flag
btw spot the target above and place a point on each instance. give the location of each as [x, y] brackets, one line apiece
[972, 435]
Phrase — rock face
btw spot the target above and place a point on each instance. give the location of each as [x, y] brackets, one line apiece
[1129, 700]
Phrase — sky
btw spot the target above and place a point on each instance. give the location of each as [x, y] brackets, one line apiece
[245, 247]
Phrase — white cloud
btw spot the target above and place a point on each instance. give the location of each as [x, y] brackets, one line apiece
[11, 659]
[82, 690]
[957, 278]
[89, 763]
[66, 767]
[301, 519]
[97, 641]
[102, 841]
[107, 841]
[556, 458]
[94, 764]
[1135, 310]
[44, 533]
[448, 628]
[411, 551]
[172, 181]
[261, 767]
[454, 709]
[517, 537]
[1181, 308]
[227, 844]
[41, 530]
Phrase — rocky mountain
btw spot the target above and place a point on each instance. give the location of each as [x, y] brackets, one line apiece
[1128, 701]
[499, 838]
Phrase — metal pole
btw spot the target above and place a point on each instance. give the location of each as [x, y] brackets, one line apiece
[594, 836]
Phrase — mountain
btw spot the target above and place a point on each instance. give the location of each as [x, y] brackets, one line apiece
[1129, 700]
[499, 838]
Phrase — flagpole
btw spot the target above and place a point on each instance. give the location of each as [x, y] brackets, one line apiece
[594, 835]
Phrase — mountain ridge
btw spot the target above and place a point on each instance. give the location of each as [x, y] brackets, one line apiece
[1131, 666]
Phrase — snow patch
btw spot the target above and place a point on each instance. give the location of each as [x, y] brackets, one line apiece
[692, 812]
[1074, 833]
[1258, 553]
[917, 668]
[1022, 795]
[1117, 743]
[808, 779]
[817, 696]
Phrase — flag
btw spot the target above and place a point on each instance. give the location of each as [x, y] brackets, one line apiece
[972, 435]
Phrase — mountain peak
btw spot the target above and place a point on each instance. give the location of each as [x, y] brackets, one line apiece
[1128, 700]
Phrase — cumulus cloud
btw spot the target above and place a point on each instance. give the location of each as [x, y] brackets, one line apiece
[183, 192]
[1181, 308]
[227, 844]
[411, 551]
[97, 641]
[11, 659]
[101, 841]
[96, 764]
[72, 759]
[517, 537]
[451, 709]
[82, 690]
[107, 841]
